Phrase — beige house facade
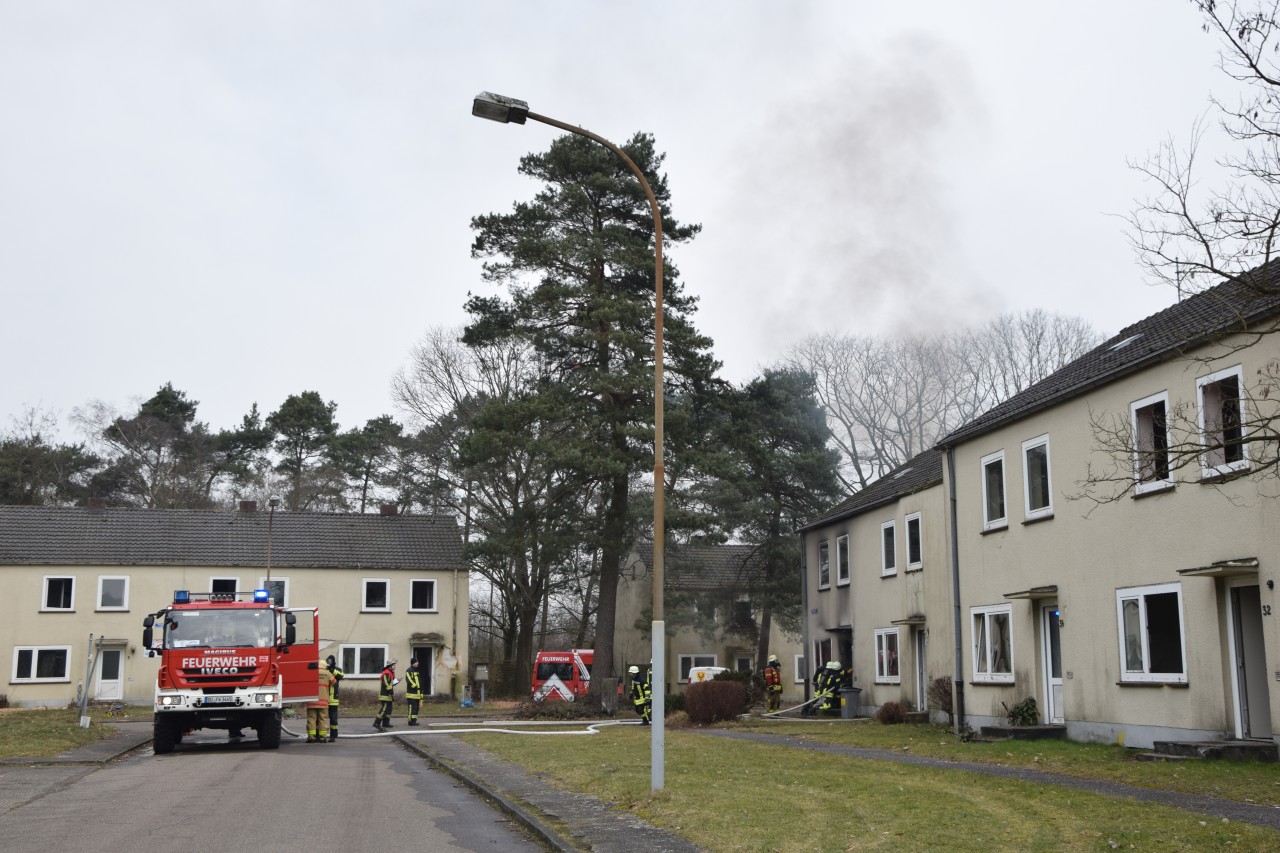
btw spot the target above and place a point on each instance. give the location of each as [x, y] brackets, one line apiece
[1108, 539]
[877, 586]
[707, 576]
[79, 581]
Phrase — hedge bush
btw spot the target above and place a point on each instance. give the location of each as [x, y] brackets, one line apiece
[891, 713]
[715, 700]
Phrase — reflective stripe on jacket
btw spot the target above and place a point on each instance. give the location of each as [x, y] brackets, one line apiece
[412, 684]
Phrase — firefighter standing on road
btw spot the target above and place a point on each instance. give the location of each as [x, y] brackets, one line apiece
[413, 690]
[318, 711]
[389, 681]
[332, 665]
[773, 683]
[641, 693]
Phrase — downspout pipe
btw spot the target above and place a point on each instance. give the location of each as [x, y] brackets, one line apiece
[804, 602]
[957, 681]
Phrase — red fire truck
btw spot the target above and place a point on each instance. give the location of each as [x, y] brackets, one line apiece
[562, 675]
[230, 661]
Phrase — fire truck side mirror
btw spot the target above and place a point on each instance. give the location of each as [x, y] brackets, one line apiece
[146, 631]
[290, 631]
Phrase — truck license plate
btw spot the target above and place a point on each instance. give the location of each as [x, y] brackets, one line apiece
[214, 700]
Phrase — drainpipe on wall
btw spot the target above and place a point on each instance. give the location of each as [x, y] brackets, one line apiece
[804, 603]
[957, 681]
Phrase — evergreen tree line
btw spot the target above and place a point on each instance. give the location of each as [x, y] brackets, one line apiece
[162, 456]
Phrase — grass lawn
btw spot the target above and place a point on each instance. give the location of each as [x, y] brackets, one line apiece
[735, 796]
[42, 733]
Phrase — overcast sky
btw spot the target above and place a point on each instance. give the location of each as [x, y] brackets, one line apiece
[255, 199]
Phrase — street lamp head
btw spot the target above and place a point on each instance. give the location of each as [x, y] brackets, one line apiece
[499, 108]
[274, 502]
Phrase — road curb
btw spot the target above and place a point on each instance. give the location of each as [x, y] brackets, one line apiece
[526, 818]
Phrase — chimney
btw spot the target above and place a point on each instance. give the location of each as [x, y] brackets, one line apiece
[96, 504]
[248, 506]
[387, 509]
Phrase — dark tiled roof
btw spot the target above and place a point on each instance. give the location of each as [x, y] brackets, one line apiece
[144, 537]
[917, 473]
[704, 567]
[1236, 305]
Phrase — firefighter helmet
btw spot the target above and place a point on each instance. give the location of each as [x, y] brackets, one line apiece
[833, 664]
[635, 670]
[773, 658]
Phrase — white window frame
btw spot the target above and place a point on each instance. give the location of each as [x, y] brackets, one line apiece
[44, 594]
[356, 649]
[824, 564]
[981, 653]
[1045, 511]
[1139, 595]
[1002, 522]
[740, 659]
[842, 560]
[800, 670]
[1145, 447]
[918, 520]
[262, 584]
[682, 671]
[18, 678]
[883, 675]
[435, 595]
[888, 548]
[1209, 467]
[125, 596]
[364, 595]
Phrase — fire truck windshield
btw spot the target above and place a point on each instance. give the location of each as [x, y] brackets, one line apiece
[220, 629]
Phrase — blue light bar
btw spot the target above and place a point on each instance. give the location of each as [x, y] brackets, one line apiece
[181, 596]
[261, 595]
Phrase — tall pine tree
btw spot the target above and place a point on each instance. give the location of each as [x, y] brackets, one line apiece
[577, 262]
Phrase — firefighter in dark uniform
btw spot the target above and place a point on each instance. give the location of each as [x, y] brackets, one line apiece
[332, 665]
[641, 693]
[828, 682]
[389, 681]
[413, 690]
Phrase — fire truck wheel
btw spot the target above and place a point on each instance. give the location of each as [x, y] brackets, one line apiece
[269, 730]
[166, 734]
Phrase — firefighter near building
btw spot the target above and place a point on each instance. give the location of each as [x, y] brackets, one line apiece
[230, 661]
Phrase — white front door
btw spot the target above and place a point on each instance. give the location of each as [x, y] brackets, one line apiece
[1052, 655]
[1249, 650]
[110, 686]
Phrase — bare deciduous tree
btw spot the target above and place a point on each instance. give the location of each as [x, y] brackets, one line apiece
[889, 400]
[1192, 233]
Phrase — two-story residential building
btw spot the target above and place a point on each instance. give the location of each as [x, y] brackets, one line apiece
[877, 585]
[1108, 539]
[79, 581]
[706, 578]
[1113, 563]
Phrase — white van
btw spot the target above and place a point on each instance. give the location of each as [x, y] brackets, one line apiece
[699, 674]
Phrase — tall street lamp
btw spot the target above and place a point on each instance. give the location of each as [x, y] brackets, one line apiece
[511, 111]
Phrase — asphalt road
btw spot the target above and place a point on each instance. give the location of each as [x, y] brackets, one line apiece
[212, 795]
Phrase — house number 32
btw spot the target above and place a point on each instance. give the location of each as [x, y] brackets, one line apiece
[1266, 610]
